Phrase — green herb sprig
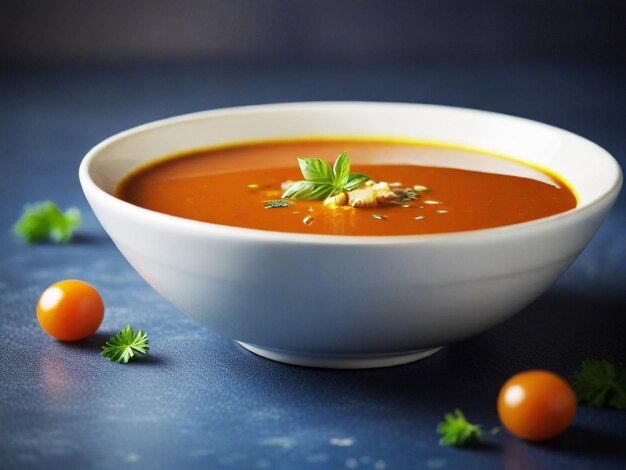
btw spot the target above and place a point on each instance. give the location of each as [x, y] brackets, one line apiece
[123, 346]
[456, 430]
[600, 383]
[321, 181]
[44, 221]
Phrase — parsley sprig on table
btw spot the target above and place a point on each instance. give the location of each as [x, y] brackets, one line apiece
[123, 346]
[44, 221]
[321, 181]
[456, 430]
[599, 383]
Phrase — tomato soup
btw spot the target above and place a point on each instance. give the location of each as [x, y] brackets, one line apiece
[450, 189]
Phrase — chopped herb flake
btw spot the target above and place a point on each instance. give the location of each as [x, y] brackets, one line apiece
[277, 203]
[405, 195]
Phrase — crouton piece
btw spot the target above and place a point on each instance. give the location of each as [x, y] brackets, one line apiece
[383, 192]
[362, 197]
[332, 202]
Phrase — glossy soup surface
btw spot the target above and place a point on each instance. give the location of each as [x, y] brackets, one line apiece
[230, 186]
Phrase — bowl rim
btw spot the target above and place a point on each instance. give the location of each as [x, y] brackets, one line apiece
[92, 190]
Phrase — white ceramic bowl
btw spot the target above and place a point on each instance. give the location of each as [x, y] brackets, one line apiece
[345, 301]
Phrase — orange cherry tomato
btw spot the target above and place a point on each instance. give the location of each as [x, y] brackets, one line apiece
[70, 310]
[536, 405]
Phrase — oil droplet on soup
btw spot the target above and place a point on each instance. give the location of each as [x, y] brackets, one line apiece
[462, 190]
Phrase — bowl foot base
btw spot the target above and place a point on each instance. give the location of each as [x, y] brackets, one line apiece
[340, 361]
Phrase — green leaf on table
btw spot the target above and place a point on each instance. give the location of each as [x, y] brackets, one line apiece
[123, 346]
[456, 430]
[600, 383]
[44, 221]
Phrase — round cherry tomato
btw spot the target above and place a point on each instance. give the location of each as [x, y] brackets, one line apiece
[70, 310]
[536, 405]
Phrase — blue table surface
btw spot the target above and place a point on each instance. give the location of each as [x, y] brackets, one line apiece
[199, 400]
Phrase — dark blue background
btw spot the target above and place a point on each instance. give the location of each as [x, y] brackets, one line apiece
[73, 72]
[345, 31]
[200, 400]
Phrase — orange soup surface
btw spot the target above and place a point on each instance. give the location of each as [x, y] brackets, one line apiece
[232, 185]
